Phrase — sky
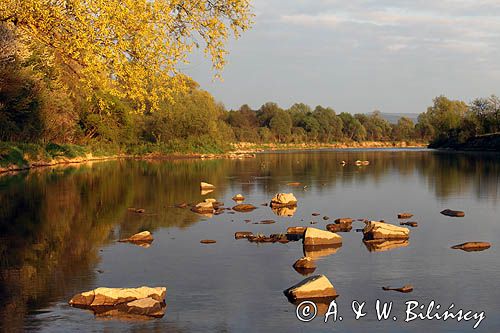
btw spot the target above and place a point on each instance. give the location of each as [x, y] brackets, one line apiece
[358, 56]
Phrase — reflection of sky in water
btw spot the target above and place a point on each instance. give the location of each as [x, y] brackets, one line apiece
[235, 285]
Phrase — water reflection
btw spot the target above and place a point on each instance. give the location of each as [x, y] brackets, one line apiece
[54, 222]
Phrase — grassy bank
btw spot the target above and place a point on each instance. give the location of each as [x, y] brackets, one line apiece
[247, 146]
[19, 156]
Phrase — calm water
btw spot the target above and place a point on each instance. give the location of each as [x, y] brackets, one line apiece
[59, 229]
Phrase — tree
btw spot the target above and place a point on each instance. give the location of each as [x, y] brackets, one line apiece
[445, 115]
[130, 48]
[281, 125]
[352, 128]
[330, 124]
[404, 129]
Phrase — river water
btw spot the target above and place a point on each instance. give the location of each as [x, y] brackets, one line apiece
[59, 227]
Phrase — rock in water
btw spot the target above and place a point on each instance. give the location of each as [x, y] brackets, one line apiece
[381, 230]
[243, 208]
[148, 306]
[317, 286]
[238, 197]
[141, 237]
[296, 230]
[208, 241]
[143, 301]
[243, 234]
[304, 262]
[410, 224]
[453, 213]
[405, 216]
[205, 207]
[113, 296]
[344, 220]
[305, 265]
[316, 237]
[284, 200]
[472, 246]
[206, 186]
[405, 289]
[342, 227]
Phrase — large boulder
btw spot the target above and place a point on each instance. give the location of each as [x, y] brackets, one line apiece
[114, 296]
[317, 286]
[381, 230]
[284, 200]
[316, 237]
[142, 302]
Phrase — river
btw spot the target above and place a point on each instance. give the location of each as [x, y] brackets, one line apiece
[59, 229]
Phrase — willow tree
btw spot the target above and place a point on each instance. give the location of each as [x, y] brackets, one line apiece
[130, 48]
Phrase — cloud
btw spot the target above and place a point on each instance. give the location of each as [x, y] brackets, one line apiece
[453, 29]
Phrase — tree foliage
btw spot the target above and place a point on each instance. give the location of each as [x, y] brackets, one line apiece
[129, 49]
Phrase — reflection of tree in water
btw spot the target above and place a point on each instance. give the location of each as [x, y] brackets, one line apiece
[53, 222]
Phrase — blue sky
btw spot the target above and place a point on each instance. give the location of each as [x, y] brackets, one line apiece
[358, 56]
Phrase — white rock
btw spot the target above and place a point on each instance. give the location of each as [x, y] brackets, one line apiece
[382, 230]
[317, 286]
[317, 237]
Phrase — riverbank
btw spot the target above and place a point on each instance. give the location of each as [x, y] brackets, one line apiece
[23, 156]
[487, 142]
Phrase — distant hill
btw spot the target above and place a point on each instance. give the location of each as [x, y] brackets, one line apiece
[394, 117]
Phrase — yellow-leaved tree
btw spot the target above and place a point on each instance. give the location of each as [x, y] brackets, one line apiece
[130, 48]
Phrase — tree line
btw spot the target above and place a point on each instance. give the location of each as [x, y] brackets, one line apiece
[300, 123]
[42, 101]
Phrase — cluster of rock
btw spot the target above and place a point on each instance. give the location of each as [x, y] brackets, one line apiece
[123, 302]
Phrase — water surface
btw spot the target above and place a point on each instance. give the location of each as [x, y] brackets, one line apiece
[59, 229]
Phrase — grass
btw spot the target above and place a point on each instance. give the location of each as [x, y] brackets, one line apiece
[24, 154]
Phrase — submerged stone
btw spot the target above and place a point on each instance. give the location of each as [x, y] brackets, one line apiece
[244, 208]
[405, 289]
[453, 213]
[472, 246]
